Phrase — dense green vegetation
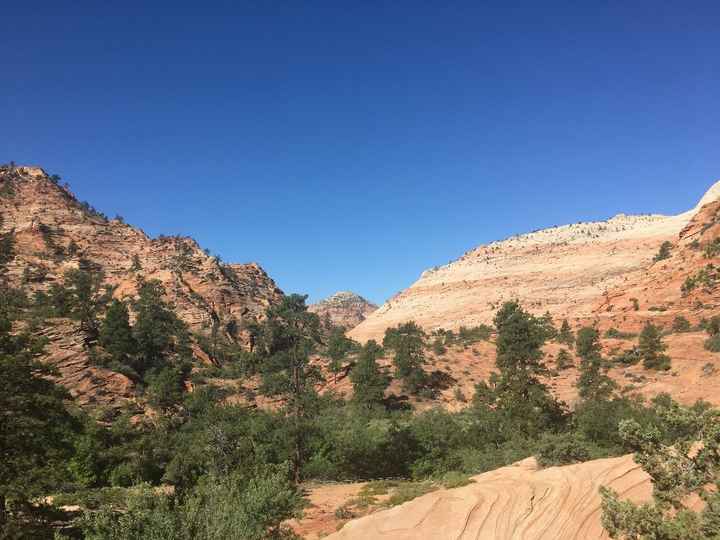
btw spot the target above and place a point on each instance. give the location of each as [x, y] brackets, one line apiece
[196, 466]
[681, 466]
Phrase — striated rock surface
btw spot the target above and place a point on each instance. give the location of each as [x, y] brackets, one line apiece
[517, 502]
[344, 308]
[565, 270]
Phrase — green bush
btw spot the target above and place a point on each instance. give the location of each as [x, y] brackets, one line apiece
[712, 343]
[220, 508]
[563, 449]
[680, 324]
[614, 333]
[564, 360]
[664, 251]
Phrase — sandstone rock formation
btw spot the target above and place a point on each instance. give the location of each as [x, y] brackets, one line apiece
[565, 270]
[517, 502]
[344, 308]
[54, 232]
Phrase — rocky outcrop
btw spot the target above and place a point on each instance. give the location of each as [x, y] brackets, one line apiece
[344, 308]
[565, 270]
[521, 501]
[54, 232]
[660, 292]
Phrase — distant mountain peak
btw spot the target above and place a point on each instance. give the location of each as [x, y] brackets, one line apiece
[344, 308]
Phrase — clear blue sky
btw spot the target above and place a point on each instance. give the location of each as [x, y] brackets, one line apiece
[350, 145]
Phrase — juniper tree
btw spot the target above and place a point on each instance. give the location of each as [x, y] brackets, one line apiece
[664, 251]
[7, 249]
[563, 360]
[547, 321]
[681, 470]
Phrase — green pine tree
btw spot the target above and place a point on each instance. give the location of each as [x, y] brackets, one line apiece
[287, 338]
[116, 335]
[652, 348]
[369, 382]
[408, 342]
[517, 392]
[338, 347]
[35, 431]
[593, 383]
[86, 299]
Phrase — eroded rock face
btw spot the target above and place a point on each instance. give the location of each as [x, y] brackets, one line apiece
[54, 232]
[515, 502]
[344, 308]
[89, 385]
[565, 270]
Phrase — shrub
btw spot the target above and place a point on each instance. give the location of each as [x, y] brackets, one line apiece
[565, 335]
[236, 506]
[629, 357]
[664, 251]
[407, 491]
[455, 479]
[712, 249]
[614, 333]
[708, 369]
[706, 277]
[680, 324]
[564, 360]
[562, 449]
[712, 343]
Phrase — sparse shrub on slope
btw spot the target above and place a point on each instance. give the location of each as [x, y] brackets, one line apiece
[680, 324]
[565, 334]
[712, 327]
[664, 251]
[564, 360]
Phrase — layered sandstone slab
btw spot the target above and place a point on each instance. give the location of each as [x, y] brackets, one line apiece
[517, 502]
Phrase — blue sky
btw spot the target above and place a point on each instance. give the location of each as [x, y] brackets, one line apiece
[350, 145]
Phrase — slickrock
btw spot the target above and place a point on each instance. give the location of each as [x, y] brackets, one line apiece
[565, 270]
[344, 308]
[517, 502]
